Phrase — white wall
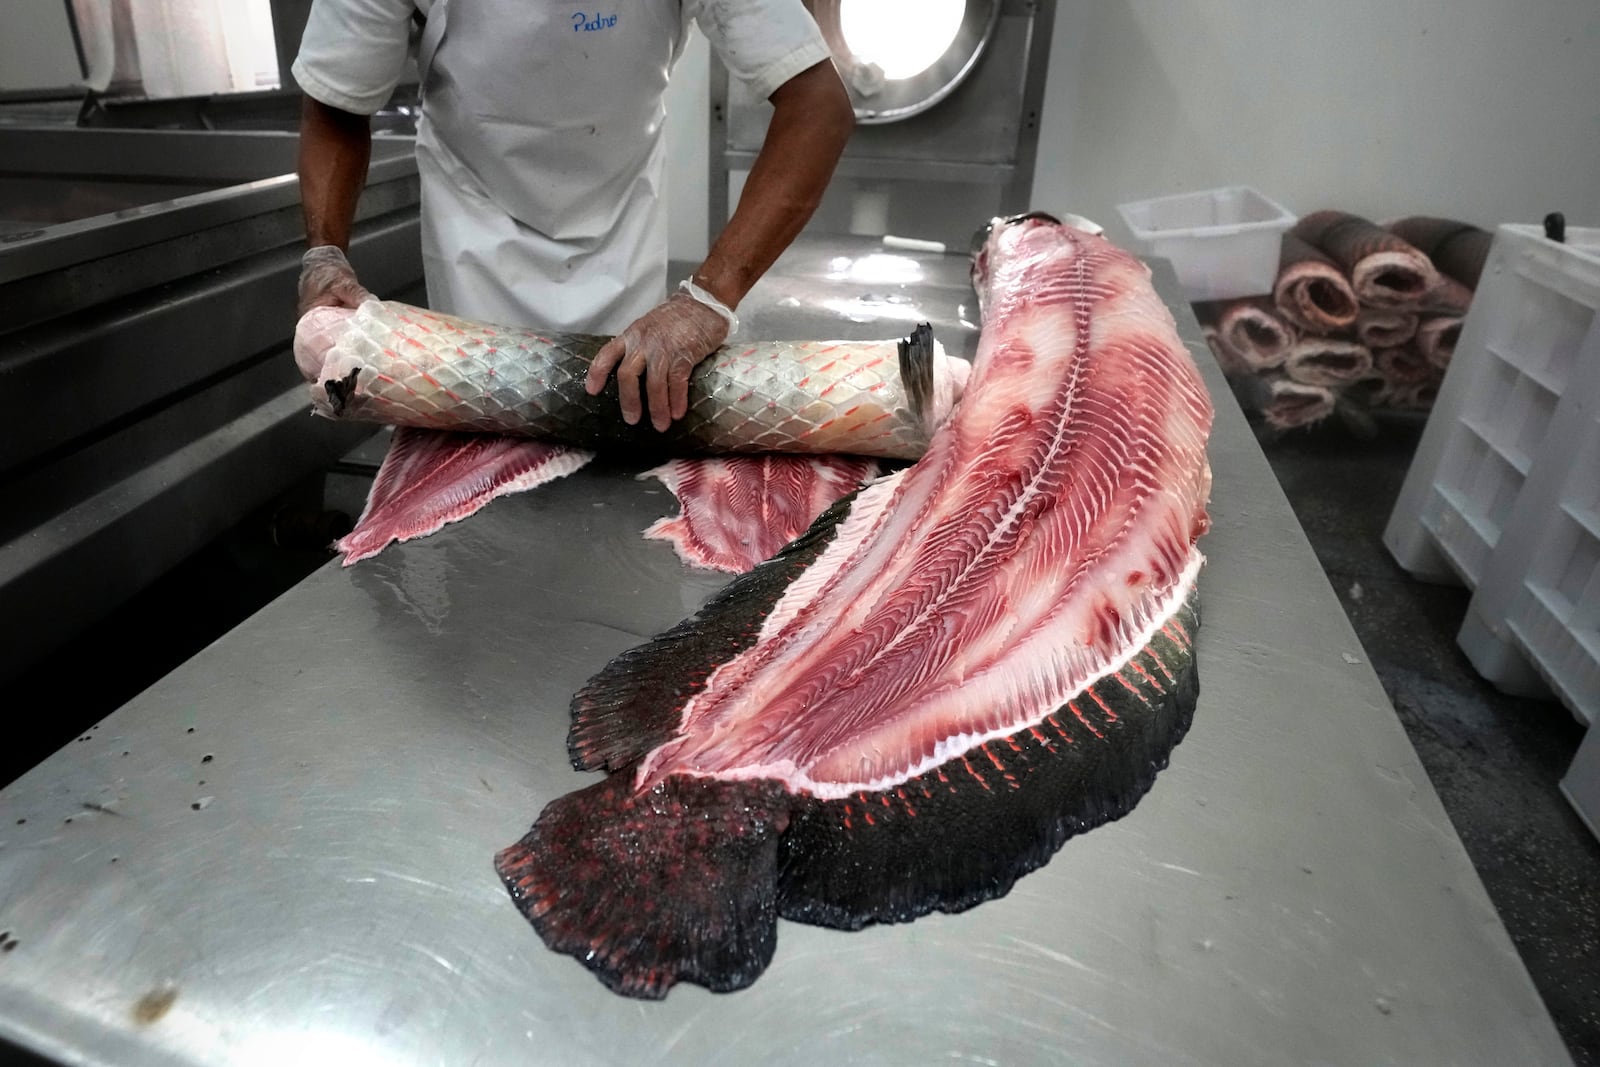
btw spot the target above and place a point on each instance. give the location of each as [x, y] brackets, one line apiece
[688, 98]
[1486, 110]
[36, 49]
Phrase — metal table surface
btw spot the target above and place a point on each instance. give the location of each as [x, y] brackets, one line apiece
[280, 853]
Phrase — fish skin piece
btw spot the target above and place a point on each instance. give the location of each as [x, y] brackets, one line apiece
[1252, 328]
[1437, 337]
[392, 363]
[739, 510]
[1311, 291]
[1457, 249]
[1383, 269]
[1327, 361]
[1385, 327]
[1292, 404]
[430, 478]
[951, 672]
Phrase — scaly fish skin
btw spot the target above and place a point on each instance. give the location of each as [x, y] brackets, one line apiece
[392, 363]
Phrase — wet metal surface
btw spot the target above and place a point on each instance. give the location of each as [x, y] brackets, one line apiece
[283, 848]
[1494, 760]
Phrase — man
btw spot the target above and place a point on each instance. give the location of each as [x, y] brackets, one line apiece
[541, 158]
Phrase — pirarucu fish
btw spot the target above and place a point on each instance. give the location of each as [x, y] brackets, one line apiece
[916, 702]
[392, 363]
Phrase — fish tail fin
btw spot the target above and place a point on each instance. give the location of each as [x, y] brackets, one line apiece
[678, 883]
[916, 372]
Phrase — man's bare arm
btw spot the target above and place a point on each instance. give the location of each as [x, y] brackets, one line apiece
[812, 119]
[335, 148]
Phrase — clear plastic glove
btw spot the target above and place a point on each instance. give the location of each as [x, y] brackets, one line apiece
[664, 346]
[328, 280]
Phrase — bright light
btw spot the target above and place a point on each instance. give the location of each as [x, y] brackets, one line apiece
[877, 268]
[903, 37]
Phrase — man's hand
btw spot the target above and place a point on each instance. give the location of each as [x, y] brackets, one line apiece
[664, 345]
[328, 280]
[811, 120]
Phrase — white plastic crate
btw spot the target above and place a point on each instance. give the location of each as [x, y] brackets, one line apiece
[1582, 783]
[1223, 243]
[1544, 602]
[1504, 491]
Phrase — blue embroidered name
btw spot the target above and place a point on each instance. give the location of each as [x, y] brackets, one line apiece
[586, 24]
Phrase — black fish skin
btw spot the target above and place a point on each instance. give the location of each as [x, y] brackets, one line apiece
[635, 703]
[964, 832]
[686, 881]
[646, 890]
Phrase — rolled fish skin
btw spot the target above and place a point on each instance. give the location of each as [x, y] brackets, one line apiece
[392, 363]
[1383, 269]
[1458, 249]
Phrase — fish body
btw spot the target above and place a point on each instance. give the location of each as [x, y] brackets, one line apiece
[917, 701]
[392, 363]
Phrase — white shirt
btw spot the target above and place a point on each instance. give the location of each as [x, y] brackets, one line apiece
[353, 52]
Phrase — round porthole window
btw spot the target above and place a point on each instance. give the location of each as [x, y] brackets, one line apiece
[899, 58]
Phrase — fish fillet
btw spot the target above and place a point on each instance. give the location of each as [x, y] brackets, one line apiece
[740, 510]
[431, 477]
[922, 697]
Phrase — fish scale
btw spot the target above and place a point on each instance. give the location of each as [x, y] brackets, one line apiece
[392, 363]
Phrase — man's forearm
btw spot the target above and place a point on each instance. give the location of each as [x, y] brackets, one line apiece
[811, 121]
[335, 147]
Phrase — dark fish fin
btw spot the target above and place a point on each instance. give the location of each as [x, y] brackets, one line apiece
[964, 832]
[646, 890]
[916, 370]
[340, 391]
[634, 704]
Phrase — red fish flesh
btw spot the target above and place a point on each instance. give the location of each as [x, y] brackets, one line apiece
[740, 510]
[430, 478]
[917, 701]
[389, 362]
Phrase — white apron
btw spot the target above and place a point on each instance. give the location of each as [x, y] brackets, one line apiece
[541, 158]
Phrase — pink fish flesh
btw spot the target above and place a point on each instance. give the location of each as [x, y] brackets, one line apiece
[918, 700]
[430, 478]
[740, 510]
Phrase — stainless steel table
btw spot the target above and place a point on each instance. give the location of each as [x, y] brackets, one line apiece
[280, 854]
